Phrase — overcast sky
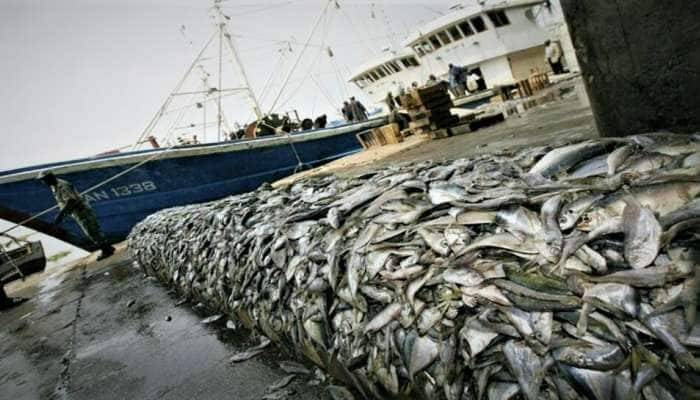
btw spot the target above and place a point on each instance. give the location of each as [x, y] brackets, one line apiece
[79, 77]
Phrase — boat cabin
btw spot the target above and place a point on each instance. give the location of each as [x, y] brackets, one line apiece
[502, 43]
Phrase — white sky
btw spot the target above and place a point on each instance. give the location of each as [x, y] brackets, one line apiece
[79, 77]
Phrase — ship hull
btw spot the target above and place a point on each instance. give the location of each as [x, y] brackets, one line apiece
[158, 179]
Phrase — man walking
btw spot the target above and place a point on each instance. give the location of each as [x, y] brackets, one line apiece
[72, 203]
[358, 110]
[457, 79]
[552, 53]
[390, 103]
[347, 112]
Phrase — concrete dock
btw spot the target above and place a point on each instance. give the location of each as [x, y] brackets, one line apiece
[102, 330]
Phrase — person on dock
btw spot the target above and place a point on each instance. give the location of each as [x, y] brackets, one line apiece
[473, 82]
[552, 53]
[347, 112]
[390, 103]
[358, 110]
[320, 122]
[457, 79]
[72, 203]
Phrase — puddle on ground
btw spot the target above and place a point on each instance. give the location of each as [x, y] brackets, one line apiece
[47, 288]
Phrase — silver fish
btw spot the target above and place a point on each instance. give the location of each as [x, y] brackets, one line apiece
[563, 158]
[642, 234]
[617, 157]
[526, 366]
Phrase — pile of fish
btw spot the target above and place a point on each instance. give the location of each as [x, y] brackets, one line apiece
[552, 272]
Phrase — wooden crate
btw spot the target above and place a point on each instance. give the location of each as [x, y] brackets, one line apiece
[391, 133]
[371, 138]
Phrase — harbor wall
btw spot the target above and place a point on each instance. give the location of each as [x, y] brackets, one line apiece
[639, 61]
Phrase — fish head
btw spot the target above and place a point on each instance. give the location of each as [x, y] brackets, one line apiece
[567, 218]
[591, 219]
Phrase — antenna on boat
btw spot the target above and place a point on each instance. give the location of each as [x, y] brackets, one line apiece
[225, 37]
[225, 41]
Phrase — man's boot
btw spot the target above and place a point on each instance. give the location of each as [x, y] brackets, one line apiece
[106, 252]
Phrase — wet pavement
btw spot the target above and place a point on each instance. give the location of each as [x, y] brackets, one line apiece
[103, 332]
[100, 330]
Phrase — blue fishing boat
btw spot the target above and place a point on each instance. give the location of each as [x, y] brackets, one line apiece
[142, 182]
[125, 187]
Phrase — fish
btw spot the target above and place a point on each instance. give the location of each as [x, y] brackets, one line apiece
[552, 235]
[617, 157]
[390, 313]
[281, 383]
[292, 367]
[597, 385]
[688, 211]
[602, 357]
[340, 393]
[572, 211]
[560, 271]
[211, 319]
[642, 234]
[526, 366]
[251, 352]
[562, 158]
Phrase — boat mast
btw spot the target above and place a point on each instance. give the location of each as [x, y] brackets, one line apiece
[226, 36]
[218, 101]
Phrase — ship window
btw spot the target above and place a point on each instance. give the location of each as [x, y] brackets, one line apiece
[380, 72]
[435, 42]
[426, 47]
[418, 50]
[478, 24]
[409, 62]
[498, 18]
[374, 76]
[394, 66]
[369, 78]
[454, 32]
[466, 28]
[360, 83]
[387, 69]
[444, 37]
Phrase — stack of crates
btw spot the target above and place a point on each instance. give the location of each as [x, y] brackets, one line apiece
[429, 110]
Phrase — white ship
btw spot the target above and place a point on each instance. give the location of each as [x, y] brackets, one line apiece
[501, 41]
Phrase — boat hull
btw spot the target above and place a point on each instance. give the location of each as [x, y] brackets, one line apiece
[159, 179]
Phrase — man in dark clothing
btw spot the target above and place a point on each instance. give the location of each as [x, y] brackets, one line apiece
[72, 203]
[552, 53]
[358, 110]
[390, 102]
[320, 122]
[347, 112]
